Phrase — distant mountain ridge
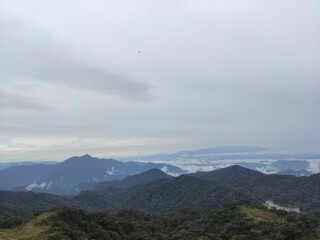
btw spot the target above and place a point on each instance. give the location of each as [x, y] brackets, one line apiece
[73, 175]
[155, 191]
[221, 150]
[4, 165]
[207, 151]
[254, 157]
[141, 178]
[298, 173]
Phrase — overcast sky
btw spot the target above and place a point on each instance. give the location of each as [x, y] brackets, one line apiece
[122, 77]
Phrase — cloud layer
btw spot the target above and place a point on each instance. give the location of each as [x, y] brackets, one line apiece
[185, 74]
[31, 54]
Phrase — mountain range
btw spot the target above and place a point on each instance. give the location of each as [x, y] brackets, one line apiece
[72, 175]
[157, 192]
[298, 173]
[253, 157]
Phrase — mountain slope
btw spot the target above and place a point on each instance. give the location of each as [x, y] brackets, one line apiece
[34, 228]
[23, 204]
[73, 175]
[234, 175]
[302, 192]
[145, 177]
[298, 173]
[167, 194]
[237, 221]
[183, 192]
[21, 175]
[154, 191]
[141, 178]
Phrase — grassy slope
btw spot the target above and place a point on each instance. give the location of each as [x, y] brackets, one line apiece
[259, 215]
[33, 229]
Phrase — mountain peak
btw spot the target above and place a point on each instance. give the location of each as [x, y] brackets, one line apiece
[148, 176]
[154, 171]
[86, 156]
[238, 170]
[234, 167]
[83, 157]
[89, 161]
[233, 174]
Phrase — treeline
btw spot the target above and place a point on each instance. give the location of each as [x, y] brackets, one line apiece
[235, 222]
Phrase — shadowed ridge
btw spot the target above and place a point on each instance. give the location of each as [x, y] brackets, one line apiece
[141, 178]
[235, 175]
[185, 191]
[148, 176]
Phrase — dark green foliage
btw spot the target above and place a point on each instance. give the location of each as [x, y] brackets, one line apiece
[166, 194]
[9, 222]
[231, 222]
[183, 192]
[234, 175]
[94, 201]
[302, 192]
[24, 204]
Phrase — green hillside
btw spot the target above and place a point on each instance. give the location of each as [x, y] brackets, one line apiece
[236, 221]
[34, 229]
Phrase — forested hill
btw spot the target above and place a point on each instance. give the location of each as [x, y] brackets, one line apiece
[236, 221]
[157, 192]
[302, 192]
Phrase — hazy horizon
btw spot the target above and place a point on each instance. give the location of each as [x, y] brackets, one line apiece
[120, 78]
[149, 156]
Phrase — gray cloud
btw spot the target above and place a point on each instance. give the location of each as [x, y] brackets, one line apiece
[10, 100]
[29, 53]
